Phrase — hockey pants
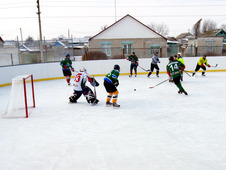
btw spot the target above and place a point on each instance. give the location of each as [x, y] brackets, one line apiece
[133, 66]
[178, 83]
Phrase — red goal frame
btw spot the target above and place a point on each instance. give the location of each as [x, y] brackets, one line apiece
[25, 93]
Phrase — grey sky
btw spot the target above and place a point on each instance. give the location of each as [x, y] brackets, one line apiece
[86, 17]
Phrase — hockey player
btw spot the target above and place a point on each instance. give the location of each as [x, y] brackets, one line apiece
[110, 84]
[81, 88]
[180, 58]
[66, 66]
[173, 69]
[134, 63]
[154, 64]
[200, 64]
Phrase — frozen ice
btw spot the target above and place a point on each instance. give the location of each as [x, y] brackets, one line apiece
[154, 129]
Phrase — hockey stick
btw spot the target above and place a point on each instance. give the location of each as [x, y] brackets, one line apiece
[159, 84]
[94, 87]
[144, 69]
[214, 66]
[187, 73]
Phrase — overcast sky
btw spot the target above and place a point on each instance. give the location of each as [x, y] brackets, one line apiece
[86, 17]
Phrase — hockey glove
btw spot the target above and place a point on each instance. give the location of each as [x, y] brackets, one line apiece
[182, 68]
[65, 67]
[137, 63]
[72, 69]
[208, 65]
[202, 65]
[116, 83]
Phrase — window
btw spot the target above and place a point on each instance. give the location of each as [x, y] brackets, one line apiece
[209, 45]
[154, 48]
[127, 47]
[106, 47]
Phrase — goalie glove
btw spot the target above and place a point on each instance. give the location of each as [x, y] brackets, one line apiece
[94, 83]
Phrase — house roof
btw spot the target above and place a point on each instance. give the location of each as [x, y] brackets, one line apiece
[128, 28]
[59, 43]
[1, 40]
[211, 33]
[184, 35]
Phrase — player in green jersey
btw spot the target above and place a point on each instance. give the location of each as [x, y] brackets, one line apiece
[66, 66]
[110, 84]
[174, 68]
[134, 63]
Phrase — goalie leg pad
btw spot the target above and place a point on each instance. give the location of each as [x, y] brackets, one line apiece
[75, 97]
[90, 97]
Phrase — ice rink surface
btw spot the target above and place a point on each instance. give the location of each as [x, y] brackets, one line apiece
[154, 129]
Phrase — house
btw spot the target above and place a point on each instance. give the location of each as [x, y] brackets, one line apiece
[128, 35]
[183, 37]
[209, 43]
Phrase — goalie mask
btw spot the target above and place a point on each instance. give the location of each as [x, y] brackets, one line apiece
[82, 69]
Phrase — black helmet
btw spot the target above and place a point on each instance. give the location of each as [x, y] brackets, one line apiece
[116, 67]
[171, 58]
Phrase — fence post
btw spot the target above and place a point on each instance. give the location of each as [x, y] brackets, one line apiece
[11, 58]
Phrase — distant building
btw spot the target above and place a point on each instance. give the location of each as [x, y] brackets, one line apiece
[209, 43]
[127, 35]
[183, 37]
[173, 46]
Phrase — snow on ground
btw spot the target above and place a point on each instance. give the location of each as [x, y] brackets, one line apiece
[155, 129]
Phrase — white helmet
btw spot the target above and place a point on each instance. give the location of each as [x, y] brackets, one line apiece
[179, 53]
[82, 69]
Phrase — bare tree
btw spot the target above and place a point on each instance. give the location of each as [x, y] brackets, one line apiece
[29, 40]
[208, 25]
[223, 26]
[160, 28]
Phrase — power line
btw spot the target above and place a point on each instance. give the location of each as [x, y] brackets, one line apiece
[142, 16]
[112, 6]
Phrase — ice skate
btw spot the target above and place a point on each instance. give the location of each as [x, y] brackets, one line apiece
[109, 104]
[116, 105]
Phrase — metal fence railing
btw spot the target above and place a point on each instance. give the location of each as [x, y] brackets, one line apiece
[56, 54]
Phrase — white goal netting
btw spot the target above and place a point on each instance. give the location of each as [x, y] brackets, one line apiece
[21, 98]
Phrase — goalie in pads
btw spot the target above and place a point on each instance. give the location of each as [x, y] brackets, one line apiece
[81, 88]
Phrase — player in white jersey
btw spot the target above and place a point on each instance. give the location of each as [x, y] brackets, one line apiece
[80, 87]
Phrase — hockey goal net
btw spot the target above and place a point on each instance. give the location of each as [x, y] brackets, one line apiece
[22, 99]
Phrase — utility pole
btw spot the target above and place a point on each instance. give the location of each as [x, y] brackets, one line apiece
[115, 12]
[21, 36]
[40, 31]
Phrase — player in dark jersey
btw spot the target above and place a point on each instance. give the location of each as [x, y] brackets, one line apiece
[174, 68]
[134, 63]
[110, 83]
[67, 67]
